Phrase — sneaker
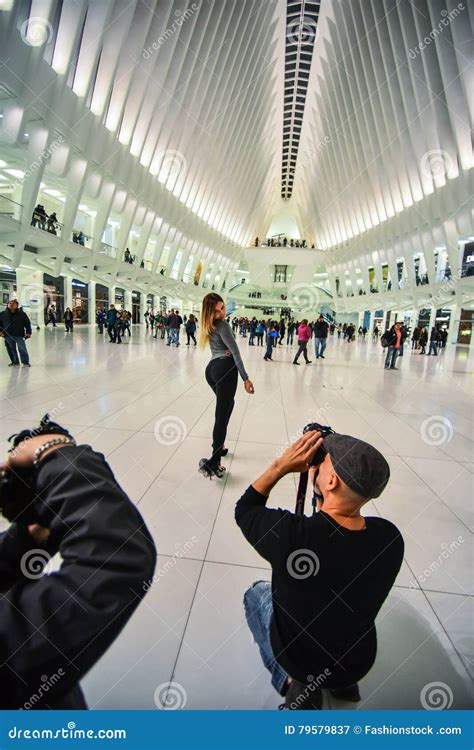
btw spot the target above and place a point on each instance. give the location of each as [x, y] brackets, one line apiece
[25, 365]
[299, 697]
[12, 364]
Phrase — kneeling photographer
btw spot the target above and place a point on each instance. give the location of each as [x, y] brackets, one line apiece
[314, 623]
[63, 498]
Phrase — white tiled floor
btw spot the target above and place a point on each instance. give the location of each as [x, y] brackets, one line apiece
[149, 409]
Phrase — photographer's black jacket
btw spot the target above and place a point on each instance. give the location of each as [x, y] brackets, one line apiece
[15, 323]
[328, 584]
[62, 623]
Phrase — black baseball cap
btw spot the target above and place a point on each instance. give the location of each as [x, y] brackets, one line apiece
[361, 466]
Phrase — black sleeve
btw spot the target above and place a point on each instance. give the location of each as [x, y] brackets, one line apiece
[15, 543]
[68, 619]
[268, 530]
[27, 324]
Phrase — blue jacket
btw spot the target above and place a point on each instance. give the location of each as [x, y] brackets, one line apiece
[111, 317]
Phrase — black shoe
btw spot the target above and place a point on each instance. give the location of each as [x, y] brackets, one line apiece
[350, 693]
[211, 471]
[322, 356]
[393, 368]
[224, 451]
[299, 697]
[295, 363]
[308, 361]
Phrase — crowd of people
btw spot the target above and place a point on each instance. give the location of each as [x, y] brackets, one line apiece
[40, 218]
[282, 241]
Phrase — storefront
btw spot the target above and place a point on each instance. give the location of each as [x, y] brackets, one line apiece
[80, 301]
[465, 327]
[53, 296]
[424, 318]
[101, 297]
[7, 286]
[119, 298]
[136, 298]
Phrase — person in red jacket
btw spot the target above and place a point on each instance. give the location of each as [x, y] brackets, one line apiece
[304, 335]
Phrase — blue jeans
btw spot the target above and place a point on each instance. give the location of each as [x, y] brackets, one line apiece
[391, 357]
[319, 346]
[11, 344]
[289, 337]
[258, 612]
[174, 336]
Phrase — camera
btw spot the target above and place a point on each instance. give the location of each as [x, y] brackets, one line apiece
[325, 430]
[316, 460]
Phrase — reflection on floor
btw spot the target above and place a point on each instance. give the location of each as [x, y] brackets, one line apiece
[149, 409]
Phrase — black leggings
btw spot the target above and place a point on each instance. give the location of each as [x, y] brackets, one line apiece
[222, 375]
[190, 336]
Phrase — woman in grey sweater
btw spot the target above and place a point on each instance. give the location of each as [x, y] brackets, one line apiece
[222, 375]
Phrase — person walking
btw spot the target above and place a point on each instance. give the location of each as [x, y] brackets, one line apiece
[393, 339]
[434, 338]
[51, 317]
[175, 322]
[68, 320]
[290, 332]
[221, 374]
[304, 335]
[320, 331]
[252, 331]
[272, 335]
[191, 329]
[415, 337]
[101, 320]
[282, 331]
[111, 320]
[423, 340]
[260, 330]
[15, 328]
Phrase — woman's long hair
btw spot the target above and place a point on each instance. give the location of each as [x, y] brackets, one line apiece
[208, 314]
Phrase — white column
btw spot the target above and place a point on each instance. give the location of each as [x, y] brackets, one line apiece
[127, 303]
[92, 302]
[30, 294]
[67, 291]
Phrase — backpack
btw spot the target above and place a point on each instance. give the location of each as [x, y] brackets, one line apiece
[384, 339]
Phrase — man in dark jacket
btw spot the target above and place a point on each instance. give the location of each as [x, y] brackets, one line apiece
[15, 327]
[320, 333]
[434, 339]
[111, 324]
[54, 628]
[175, 321]
[315, 622]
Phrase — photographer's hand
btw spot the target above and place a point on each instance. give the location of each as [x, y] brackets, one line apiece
[23, 455]
[294, 459]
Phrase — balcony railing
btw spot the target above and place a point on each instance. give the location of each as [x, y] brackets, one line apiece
[109, 250]
[9, 209]
[79, 238]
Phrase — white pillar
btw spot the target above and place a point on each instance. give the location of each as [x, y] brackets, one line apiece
[30, 294]
[67, 291]
[92, 303]
[128, 300]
